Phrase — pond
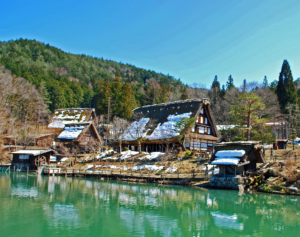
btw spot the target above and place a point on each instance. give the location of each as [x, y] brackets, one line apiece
[51, 206]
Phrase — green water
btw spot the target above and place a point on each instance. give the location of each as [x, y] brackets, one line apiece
[59, 206]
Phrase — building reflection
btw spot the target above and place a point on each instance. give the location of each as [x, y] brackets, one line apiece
[168, 210]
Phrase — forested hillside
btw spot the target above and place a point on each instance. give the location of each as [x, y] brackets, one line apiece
[115, 89]
[79, 80]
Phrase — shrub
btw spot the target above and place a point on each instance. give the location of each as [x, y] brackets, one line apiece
[188, 153]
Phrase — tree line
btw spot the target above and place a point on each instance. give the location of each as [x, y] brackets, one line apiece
[75, 80]
[66, 80]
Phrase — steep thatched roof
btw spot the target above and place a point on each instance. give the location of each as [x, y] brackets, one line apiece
[74, 131]
[160, 112]
[154, 116]
[71, 115]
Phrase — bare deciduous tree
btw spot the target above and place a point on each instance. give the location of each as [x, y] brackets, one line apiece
[119, 126]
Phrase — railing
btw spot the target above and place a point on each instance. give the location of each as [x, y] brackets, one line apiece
[134, 174]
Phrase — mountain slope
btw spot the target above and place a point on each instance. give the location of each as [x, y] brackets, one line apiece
[75, 80]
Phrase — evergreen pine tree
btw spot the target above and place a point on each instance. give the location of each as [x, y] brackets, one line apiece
[286, 90]
[163, 93]
[229, 83]
[244, 85]
[184, 95]
[223, 91]
[127, 101]
[103, 97]
[116, 95]
[265, 82]
[215, 91]
[44, 93]
[57, 97]
[215, 83]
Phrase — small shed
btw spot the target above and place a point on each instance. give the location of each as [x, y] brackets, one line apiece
[281, 143]
[234, 158]
[31, 159]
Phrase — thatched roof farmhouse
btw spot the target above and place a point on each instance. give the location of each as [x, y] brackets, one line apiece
[156, 125]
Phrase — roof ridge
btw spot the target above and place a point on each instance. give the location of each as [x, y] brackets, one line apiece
[175, 102]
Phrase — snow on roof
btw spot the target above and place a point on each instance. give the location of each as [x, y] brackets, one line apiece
[230, 153]
[226, 161]
[136, 130]
[57, 123]
[70, 133]
[71, 115]
[166, 130]
[30, 152]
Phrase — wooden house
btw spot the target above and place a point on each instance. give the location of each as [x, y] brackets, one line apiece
[234, 158]
[31, 159]
[154, 125]
[72, 115]
[83, 136]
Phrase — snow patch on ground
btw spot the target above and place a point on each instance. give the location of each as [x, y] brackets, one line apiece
[171, 169]
[153, 155]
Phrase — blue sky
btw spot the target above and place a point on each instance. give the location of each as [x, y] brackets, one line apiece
[190, 40]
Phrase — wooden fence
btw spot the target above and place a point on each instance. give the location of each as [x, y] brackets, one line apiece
[129, 174]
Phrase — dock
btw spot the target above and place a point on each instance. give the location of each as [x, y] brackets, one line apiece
[133, 176]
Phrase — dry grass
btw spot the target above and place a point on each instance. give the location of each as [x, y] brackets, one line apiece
[290, 169]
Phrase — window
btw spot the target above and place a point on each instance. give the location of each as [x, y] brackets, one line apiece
[201, 130]
[205, 120]
[24, 157]
[193, 129]
[201, 119]
[208, 130]
[202, 111]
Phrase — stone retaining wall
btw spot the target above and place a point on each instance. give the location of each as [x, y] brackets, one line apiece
[228, 182]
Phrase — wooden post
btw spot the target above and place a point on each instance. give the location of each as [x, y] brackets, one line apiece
[262, 176]
[272, 152]
[14, 168]
[27, 170]
[295, 157]
[131, 172]
[178, 175]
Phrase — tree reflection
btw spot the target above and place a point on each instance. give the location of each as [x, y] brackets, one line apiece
[112, 208]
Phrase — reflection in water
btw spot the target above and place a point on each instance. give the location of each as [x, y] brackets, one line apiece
[92, 207]
[61, 215]
[227, 221]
